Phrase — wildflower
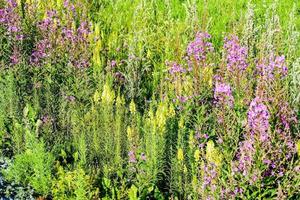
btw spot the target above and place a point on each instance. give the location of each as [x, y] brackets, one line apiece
[198, 49]
[213, 155]
[238, 191]
[205, 136]
[2, 15]
[280, 174]
[83, 30]
[20, 37]
[197, 135]
[40, 52]
[286, 115]
[13, 29]
[274, 65]
[132, 107]
[10, 18]
[132, 158]
[171, 112]
[46, 119]
[15, 57]
[223, 95]
[143, 157]
[253, 179]
[69, 5]
[12, 3]
[209, 175]
[175, 68]
[80, 63]
[180, 154]
[220, 140]
[236, 55]
[68, 34]
[197, 155]
[258, 119]
[49, 23]
[113, 63]
[108, 95]
[267, 162]
[182, 99]
[298, 147]
[119, 77]
[245, 156]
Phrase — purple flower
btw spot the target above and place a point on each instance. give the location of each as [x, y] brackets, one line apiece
[2, 15]
[286, 115]
[197, 135]
[253, 179]
[245, 156]
[223, 95]
[83, 30]
[143, 157]
[69, 5]
[267, 162]
[15, 57]
[268, 68]
[49, 24]
[113, 63]
[66, 3]
[132, 158]
[13, 29]
[51, 13]
[220, 140]
[81, 63]
[46, 119]
[40, 52]
[198, 49]
[68, 34]
[258, 119]
[182, 99]
[20, 37]
[175, 68]
[236, 55]
[12, 3]
[238, 191]
[10, 18]
[210, 173]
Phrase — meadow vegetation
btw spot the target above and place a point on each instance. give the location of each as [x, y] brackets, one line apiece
[149, 99]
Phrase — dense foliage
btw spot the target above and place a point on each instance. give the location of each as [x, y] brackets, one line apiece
[149, 99]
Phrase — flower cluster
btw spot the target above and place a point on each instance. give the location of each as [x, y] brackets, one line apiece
[16, 56]
[62, 35]
[11, 21]
[210, 174]
[287, 116]
[10, 18]
[132, 157]
[198, 49]
[236, 55]
[41, 51]
[223, 95]
[274, 65]
[69, 5]
[175, 68]
[245, 157]
[258, 119]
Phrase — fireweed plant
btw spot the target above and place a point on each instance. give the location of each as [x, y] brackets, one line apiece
[149, 99]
